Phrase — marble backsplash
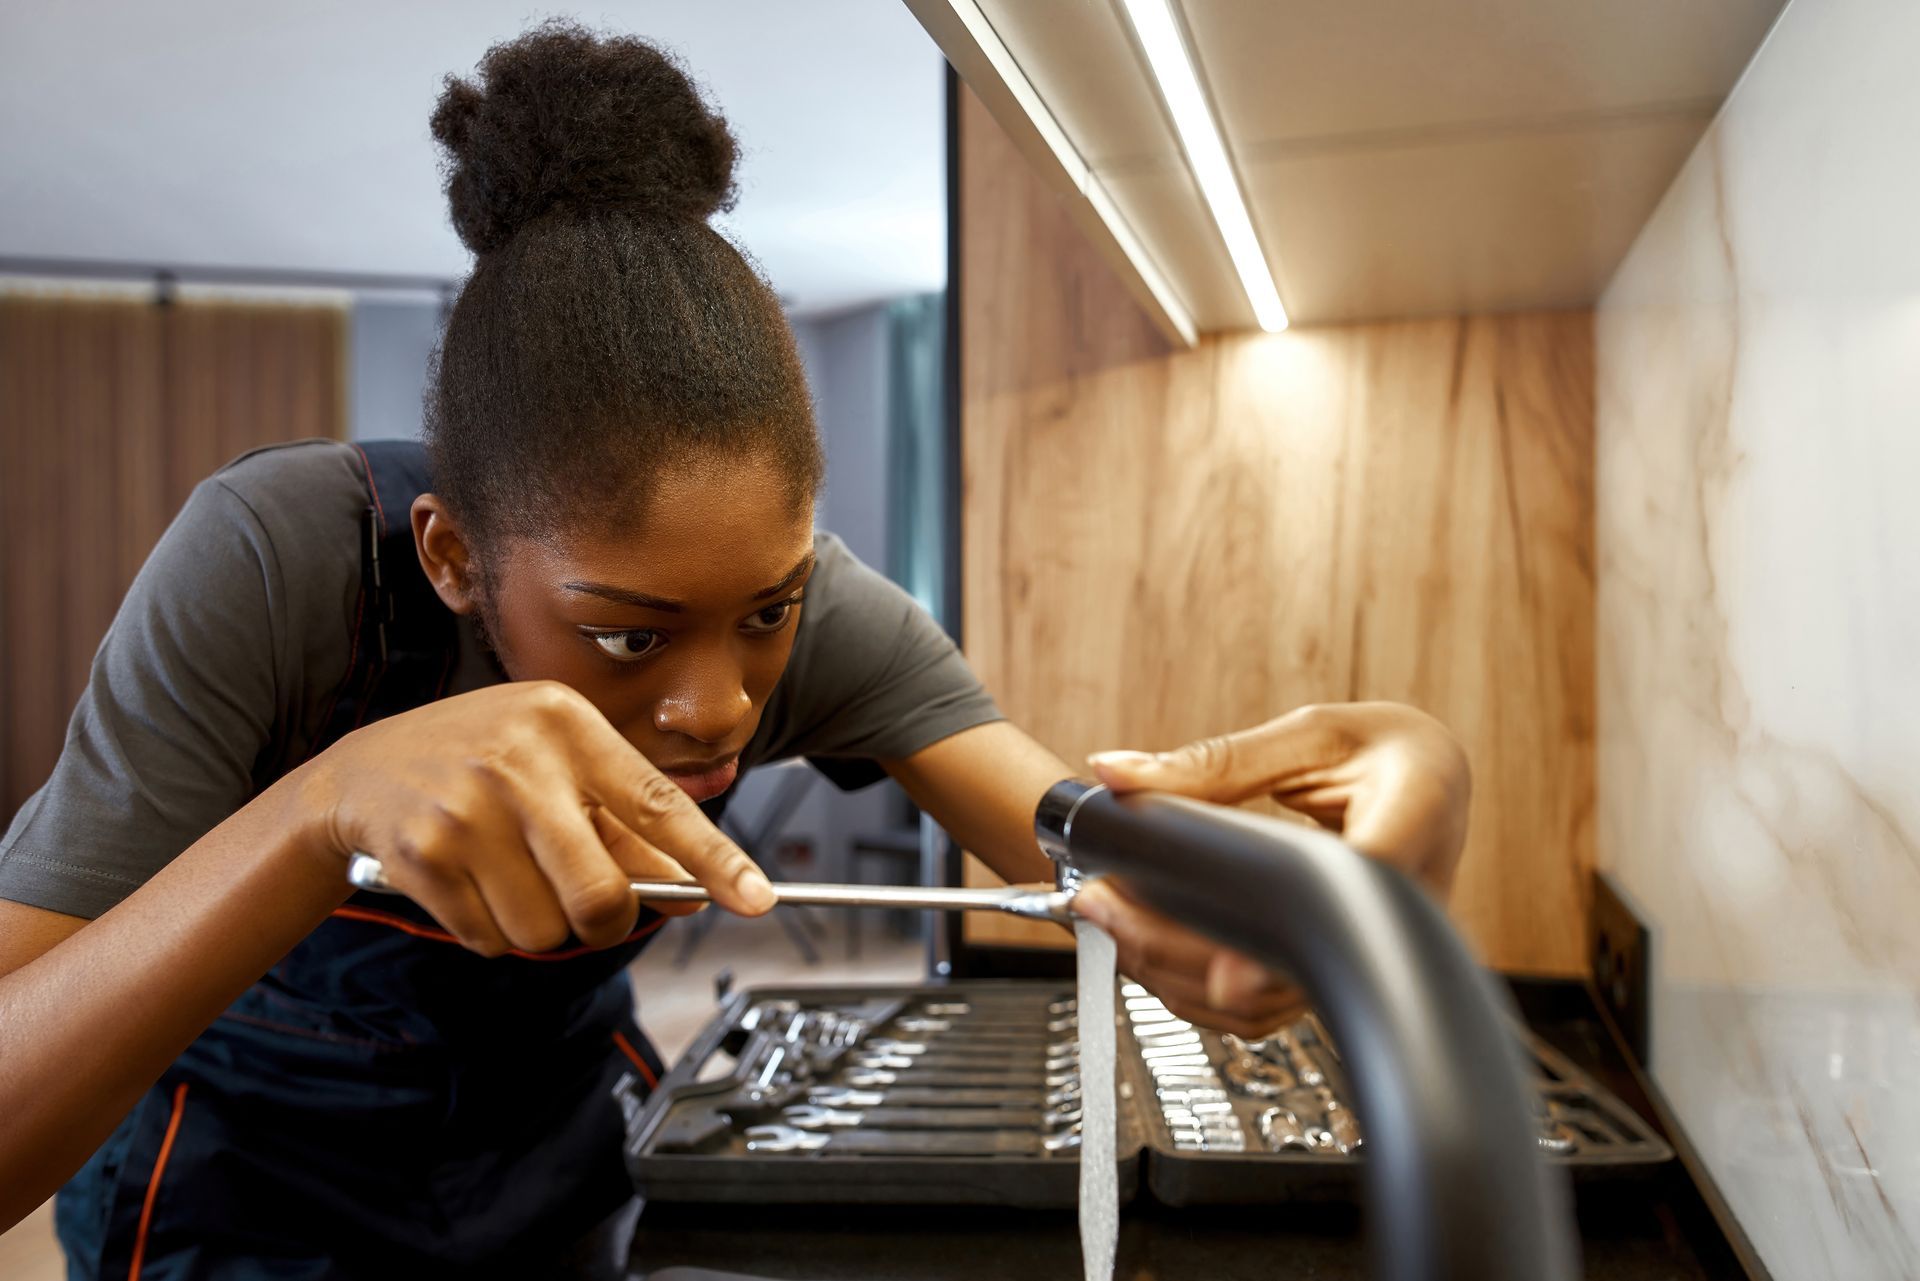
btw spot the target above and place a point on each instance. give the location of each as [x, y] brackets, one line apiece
[1758, 528]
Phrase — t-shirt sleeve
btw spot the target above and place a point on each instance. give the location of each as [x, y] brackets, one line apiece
[873, 677]
[179, 705]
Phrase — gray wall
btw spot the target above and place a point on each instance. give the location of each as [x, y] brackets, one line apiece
[846, 359]
[393, 341]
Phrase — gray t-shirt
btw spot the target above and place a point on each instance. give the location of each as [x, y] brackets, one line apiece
[220, 668]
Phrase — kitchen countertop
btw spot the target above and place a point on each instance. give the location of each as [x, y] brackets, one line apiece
[1654, 1228]
[1625, 1242]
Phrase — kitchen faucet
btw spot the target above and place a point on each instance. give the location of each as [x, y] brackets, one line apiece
[1456, 1189]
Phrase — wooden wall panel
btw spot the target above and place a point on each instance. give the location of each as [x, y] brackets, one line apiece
[110, 412]
[1162, 545]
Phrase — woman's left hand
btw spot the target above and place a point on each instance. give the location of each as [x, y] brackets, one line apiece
[1389, 778]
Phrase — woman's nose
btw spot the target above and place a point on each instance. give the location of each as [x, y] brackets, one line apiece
[706, 703]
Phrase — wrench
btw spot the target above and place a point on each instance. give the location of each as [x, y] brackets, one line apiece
[364, 871]
[835, 1096]
[966, 1043]
[978, 1024]
[998, 1004]
[969, 1050]
[784, 1138]
[822, 1118]
[874, 1078]
[955, 1063]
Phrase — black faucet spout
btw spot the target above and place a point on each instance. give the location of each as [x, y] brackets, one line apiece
[1456, 1188]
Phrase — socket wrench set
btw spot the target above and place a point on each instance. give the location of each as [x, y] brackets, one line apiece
[969, 1093]
[1232, 1121]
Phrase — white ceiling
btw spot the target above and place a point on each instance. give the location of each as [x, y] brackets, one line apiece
[225, 133]
[1400, 157]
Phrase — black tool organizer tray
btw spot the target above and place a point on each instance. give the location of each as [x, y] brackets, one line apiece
[751, 1065]
[1193, 1105]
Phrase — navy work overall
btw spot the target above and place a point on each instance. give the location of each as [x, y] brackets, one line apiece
[383, 1103]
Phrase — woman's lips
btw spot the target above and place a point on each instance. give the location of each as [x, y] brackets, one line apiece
[705, 784]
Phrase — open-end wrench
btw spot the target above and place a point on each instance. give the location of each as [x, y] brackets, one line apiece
[839, 1096]
[999, 1005]
[998, 1052]
[878, 1078]
[957, 1063]
[784, 1138]
[981, 1025]
[967, 1043]
[821, 1118]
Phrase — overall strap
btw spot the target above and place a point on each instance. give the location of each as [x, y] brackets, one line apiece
[405, 639]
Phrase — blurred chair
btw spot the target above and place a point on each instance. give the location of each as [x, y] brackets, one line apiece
[898, 848]
[792, 781]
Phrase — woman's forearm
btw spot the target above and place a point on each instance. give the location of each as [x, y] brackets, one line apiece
[91, 1023]
[982, 785]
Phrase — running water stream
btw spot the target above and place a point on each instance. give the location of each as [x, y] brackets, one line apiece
[1099, 1148]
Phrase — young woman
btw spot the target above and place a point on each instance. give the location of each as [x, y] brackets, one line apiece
[516, 684]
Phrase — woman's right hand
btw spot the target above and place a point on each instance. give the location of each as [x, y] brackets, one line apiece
[517, 815]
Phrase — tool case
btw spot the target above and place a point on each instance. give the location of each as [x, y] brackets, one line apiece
[968, 1094]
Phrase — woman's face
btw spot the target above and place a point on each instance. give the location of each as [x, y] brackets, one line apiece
[676, 626]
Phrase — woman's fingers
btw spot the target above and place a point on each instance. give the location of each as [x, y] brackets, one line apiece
[1414, 815]
[1251, 1025]
[639, 861]
[1237, 982]
[1194, 977]
[491, 824]
[458, 906]
[1145, 940]
[1390, 778]
[653, 808]
[522, 900]
[1261, 1008]
[1230, 768]
[588, 884]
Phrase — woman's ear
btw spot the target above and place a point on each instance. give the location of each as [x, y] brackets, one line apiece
[445, 554]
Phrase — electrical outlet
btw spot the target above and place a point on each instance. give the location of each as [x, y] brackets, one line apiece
[1621, 957]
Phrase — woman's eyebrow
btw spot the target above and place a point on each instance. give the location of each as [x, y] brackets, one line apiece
[794, 575]
[640, 600]
[621, 596]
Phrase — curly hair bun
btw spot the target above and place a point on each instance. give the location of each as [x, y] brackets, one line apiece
[562, 119]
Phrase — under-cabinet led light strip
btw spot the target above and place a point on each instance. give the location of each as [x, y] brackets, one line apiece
[982, 37]
[1179, 83]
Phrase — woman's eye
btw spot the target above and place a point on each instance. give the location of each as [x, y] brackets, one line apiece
[772, 618]
[624, 647]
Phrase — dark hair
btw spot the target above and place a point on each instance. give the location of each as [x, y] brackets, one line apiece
[606, 329]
